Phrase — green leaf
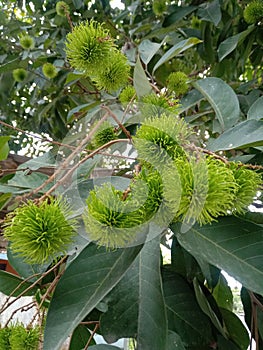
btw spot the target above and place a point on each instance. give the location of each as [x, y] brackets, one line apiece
[245, 134]
[11, 284]
[151, 308]
[256, 110]
[231, 244]
[85, 282]
[179, 13]
[11, 65]
[137, 300]
[176, 50]
[207, 309]
[4, 199]
[235, 328]
[222, 98]
[174, 342]
[82, 108]
[229, 45]
[211, 12]
[4, 148]
[140, 81]
[222, 294]
[80, 338]
[147, 49]
[184, 314]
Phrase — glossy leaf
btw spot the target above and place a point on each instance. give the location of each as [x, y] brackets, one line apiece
[223, 294]
[85, 282]
[229, 44]
[211, 11]
[256, 110]
[14, 285]
[179, 12]
[222, 98]
[141, 83]
[4, 148]
[80, 337]
[184, 314]
[245, 134]
[147, 49]
[176, 50]
[231, 244]
[174, 342]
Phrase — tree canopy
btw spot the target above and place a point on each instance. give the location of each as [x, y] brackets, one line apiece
[129, 130]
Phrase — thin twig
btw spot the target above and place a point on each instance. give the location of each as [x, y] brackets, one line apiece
[91, 336]
[126, 132]
[28, 306]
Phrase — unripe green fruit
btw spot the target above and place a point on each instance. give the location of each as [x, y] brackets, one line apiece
[62, 8]
[127, 95]
[115, 74]
[159, 7]
[104, 134]
[21, 338]
[27, 42]
[49, 70]
[4, 338]
[155, 105]
[89, 47]
[19, 74]
[253, 12]
[177, 83]
[39, 233]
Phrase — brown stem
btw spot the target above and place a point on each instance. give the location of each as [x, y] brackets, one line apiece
[126, 132]
[91, 336]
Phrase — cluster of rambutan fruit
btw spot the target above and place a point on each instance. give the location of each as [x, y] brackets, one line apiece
[17, 336]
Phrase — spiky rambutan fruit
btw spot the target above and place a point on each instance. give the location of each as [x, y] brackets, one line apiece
[127, 95]
[4, 338]
[39, 233]
[253, 12]
[89, 47]
[22, 338]
[248, 182]
[104, 134]
[155, 105]
[170, 133]
[109, 220]
[115, 74]
[177, 83]
[27, 42]
[62, 8]
[49, 70]
[19, 74]
[159, 7]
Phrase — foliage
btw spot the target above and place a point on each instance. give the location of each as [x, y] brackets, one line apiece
[166, 97]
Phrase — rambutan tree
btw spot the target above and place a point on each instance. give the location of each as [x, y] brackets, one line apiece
[131, 172]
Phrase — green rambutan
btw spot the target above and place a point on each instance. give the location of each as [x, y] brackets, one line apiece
[39, 233]
[115, 74]
[27, 42]
[62, 8]
[159, 7]
[49, 70]
[170, 133]
[248, 182]
[127, 95]
[4, 338]
[253, 12]
[155, 105]
[19, 74]
[104, 134]
[177, 83]
[89, 47]
[21, 338]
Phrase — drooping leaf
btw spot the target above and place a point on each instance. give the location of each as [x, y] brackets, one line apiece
[211, 11]
[176, 50]
[229, 45]
[245, 134]
[140, 81]
[4, 148]
[222, 98]
[137, 300]
[147, 49]
[85, 282]
[256, 110]
[236, 330]
[11, 284]
[223, 294]
[184, 314]
[80, 337]
[231, 244]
